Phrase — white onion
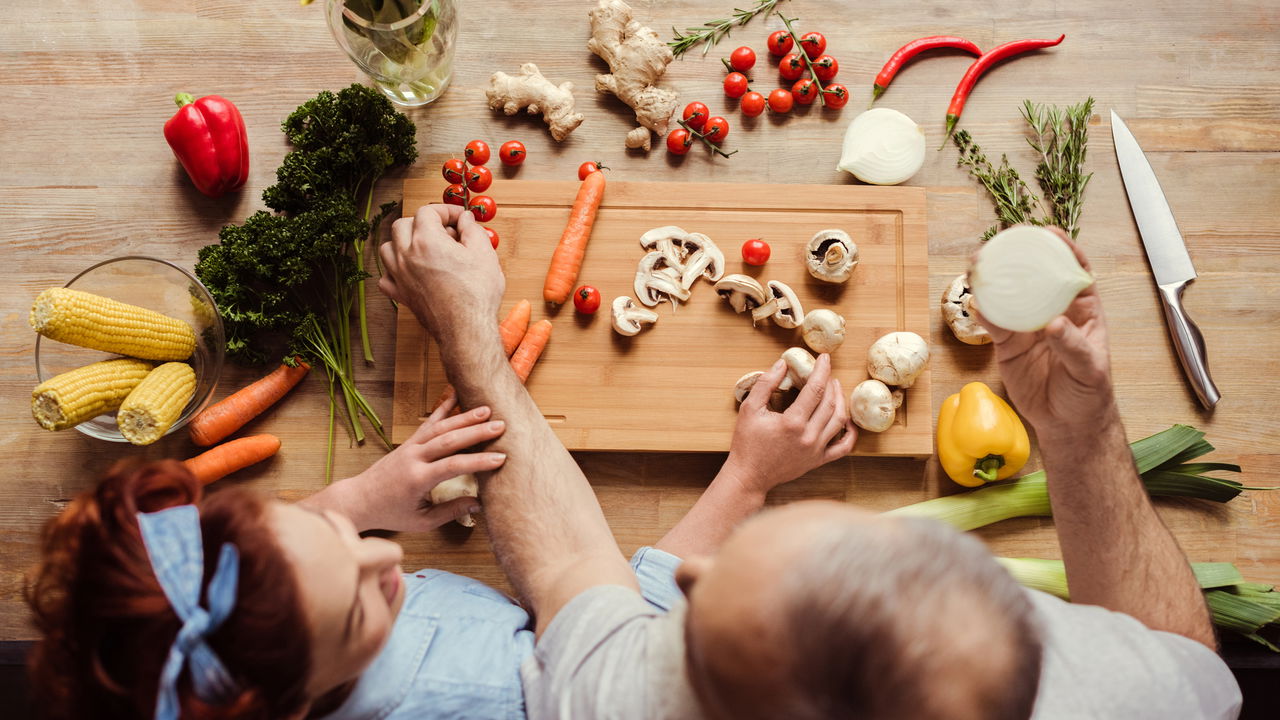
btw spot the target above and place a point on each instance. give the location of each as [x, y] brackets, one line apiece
[1024, 277]
[882, 147]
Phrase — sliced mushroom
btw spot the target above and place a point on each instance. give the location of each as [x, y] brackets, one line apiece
[799, 365]
[656, 281]
[898, 358]
[743, 292]
[453, 488]
[668, 240]
[629, 318]
[704, 260]
[823, 330]
[872, 406]
[956, 304]
[831, 256]
[783, 306]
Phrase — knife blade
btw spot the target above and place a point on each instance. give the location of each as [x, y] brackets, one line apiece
[1167, 252]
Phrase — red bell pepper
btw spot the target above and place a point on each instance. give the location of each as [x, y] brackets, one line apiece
[208, 138]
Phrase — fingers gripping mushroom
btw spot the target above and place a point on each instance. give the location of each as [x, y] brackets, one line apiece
[655, 281]
[872, 406]
[704, 260]
[454, 488]
[823, 330]
[783, 306]
[629, 318]
[667, 240]
[777, 399]
[743, 292]
[898, 358]
[799, 365]
[956, 303]
[831, 256]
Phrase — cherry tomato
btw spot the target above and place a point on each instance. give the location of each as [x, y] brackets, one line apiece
[456, 194]
[586, 300]
[589, 167]
[695, 115]
[679, 141]
[454, 170]
[742, 59]
[780, 101]
[780, 43]
[826, 68]
[479, 178]
[717, 129]
[477, 152]
[483, 207]
[735, 85]
[512, 152]
[837, 96]
[805, 91]
[493, 237]
[813, 44]
[791, 67]
[755, 252]
[752, 104]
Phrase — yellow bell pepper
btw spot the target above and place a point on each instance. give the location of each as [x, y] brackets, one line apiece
[980, 438]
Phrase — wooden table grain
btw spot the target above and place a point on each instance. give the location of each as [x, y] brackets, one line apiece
[86, 176]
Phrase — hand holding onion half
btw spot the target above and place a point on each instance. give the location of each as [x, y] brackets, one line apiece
[1026, 276]
[882, 147]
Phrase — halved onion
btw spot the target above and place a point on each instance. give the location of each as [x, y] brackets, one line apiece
[1024, 277]
[882, 147]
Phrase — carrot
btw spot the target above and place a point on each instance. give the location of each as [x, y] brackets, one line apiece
[534, 342]
[513, 327]
[221, 419]
[567, 259]
[229, 457]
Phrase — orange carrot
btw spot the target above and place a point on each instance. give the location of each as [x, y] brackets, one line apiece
[567, 259]
[221, 419]
[531, 347]
[231, 456]
[513, 327]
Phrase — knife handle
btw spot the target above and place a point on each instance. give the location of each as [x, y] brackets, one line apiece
[1189, 343]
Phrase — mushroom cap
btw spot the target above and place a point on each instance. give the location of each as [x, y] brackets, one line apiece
[744, 384]
[657, 281]
[783, 306]
[799, 365]
[956, 302]
[704, 259]
[823, 330]
[831, 256]
[898, 358]
[629, 318]
[742, 292]
[454, 488]
[872, 406]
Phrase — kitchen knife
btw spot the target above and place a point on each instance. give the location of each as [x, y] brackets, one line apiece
[1168, 256]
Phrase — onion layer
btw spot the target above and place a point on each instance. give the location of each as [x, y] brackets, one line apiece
[883, 147]
[1024, 277]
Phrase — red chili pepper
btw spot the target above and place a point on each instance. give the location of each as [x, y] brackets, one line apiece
[979, 66]
[913, 48]
[208, 138]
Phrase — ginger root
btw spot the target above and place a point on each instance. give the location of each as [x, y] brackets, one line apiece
[637, 59]
[533, 90]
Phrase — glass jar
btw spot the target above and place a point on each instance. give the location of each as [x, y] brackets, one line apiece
[405, 46]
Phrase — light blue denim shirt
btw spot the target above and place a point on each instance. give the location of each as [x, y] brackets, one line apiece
[456, 648]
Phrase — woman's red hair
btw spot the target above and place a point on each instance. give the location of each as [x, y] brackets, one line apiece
[106, 625]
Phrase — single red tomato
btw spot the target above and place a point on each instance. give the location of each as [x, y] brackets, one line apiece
[813, 44]
[755, 252]
[695, 115]
[493, 237]
[826, 68]
[479, 178]
[780, 42]
[791, 67]
[483, 207]
[586, 300]
[742, 59]
[805, 91]
[679, 141]
[456, 194]
[735, 85]
[477, 152]
[717, 129]
[752, 104]
[589, 167]
[836, 96]
[512, 152]
[780, 101]
[454, 170]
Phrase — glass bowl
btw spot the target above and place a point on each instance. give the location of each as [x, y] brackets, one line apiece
[156, 285]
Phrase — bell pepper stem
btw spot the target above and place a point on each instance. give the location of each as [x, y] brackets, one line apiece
[183, 99]
[986, 468]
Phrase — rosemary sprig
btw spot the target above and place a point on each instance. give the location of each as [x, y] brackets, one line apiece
[714, 31]
[1060, 138]
[1015, 204]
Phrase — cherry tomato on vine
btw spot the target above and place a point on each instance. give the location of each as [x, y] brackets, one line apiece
[586, 300]
[483, 207]
[679, 141]
[477, 152]
[791, 67]
[826, 68]
[456, 194]
[837, 96]
[493, 237]
[813, 44]
[752, 104]
[695, 115]
[755, 252]
[805, 91]
[742, 59]
[589, 167]
[454, 170]
[479, 178]
[735, 84]
[780, 43]
[717, 129]
[512, 152]
[780, 101]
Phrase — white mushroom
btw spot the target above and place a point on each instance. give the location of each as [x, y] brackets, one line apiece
[831, 256]
[799, 365]
[629, 318]
[872, 406]
[704, 259]
[667, 240]
[656, 281]
[777, 399]
[898, 358]
[783, 306]
[823, 330]
[743, 292]
[956, 303]
[454, 488]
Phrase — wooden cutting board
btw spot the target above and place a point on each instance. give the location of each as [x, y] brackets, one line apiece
[670, 388]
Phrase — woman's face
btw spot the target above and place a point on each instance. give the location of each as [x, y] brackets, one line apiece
[351, 590]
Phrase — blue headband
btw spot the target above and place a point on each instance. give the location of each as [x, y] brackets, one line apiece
[173, 542]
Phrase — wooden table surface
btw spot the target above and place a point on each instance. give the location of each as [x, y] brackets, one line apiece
[87, 176]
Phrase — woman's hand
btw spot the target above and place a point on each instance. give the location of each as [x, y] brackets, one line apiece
[393, 493]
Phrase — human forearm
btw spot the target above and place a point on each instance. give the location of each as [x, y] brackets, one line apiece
[725, 504]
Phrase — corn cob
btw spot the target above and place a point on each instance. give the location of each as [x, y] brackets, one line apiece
[99, 323]
[151, 409]
[71, 398]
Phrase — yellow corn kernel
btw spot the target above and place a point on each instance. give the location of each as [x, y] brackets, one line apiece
[99, 323]
[69, 399]
[152, 408]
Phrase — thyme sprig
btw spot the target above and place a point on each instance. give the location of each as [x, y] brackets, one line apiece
[714, 31]
[1015, 203]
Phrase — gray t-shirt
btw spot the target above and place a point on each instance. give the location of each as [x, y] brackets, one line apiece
[614, 655]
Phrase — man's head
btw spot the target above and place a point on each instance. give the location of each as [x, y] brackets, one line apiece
[821, 610]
